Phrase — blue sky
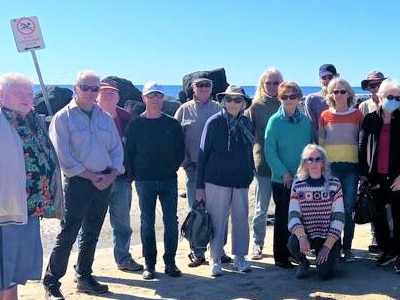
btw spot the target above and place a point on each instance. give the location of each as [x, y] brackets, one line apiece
[162, 40]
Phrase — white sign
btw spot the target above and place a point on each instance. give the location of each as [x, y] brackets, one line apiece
[27, 34]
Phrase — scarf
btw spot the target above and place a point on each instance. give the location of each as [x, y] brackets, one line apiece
[237, 129]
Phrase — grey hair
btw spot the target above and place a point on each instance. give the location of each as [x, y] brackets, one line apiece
[302, 172]
[85, 74]
[387, 85]
[11, 78]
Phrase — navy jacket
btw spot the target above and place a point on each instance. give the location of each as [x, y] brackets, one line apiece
[225, 159]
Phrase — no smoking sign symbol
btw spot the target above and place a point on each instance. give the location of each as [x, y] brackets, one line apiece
[26, 26]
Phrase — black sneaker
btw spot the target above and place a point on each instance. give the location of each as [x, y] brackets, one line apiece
[173, 271]
[397, 265]
[284, 264]
[53, 293]
[384, 259]
[195, 261]
[89, 285]
[149, 273]
[302, 269]
[130, 266]
[225, 259]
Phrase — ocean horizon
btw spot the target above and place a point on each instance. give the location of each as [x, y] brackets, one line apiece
[173, 90]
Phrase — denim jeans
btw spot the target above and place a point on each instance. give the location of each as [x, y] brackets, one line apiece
[348, 177]
[324, 270]
[191, 185]
[263, 191]
[85, 209]
[167, 192]
[120, 200]
[281, 232]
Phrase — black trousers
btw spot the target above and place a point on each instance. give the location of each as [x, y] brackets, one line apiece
[85, 210]
[281, 233]
[383, 196]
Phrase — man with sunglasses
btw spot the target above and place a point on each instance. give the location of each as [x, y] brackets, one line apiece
[372, 84]
[90, 153]
[315, 103]
[154, 150]
[192, 116]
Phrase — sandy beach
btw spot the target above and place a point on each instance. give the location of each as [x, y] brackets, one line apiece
[354, 280]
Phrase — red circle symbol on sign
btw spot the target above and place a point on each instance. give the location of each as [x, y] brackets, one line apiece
[26, 26]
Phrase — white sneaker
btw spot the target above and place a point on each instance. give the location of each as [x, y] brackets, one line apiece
[216, 269]
[240, 263]
[257, 252]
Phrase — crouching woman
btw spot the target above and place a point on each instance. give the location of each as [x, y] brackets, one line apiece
[316, 213]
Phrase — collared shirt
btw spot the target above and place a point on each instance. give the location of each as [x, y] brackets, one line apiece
[86, 143]
[192, 116]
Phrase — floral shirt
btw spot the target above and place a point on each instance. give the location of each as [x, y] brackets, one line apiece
[40, 161]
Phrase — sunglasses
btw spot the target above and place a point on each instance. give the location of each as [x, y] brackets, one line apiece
[391, 97]
[327, 77]
[155, 95]
[203, 84]
[313, 160]
[342, 92]
[291, 97]
[231, 99]
[86, 88]
[373, 85]
[274, 83]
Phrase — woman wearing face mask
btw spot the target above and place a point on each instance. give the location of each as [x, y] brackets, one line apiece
[380, 163]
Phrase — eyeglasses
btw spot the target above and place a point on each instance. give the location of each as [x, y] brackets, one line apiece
[373, 85]
[342, 92]
[327, 77]
[275, 83]
[291, 97]
[391, 97]
[203, 84]
[313, 160]
[86, 88]
[236, 99]
[154, 95]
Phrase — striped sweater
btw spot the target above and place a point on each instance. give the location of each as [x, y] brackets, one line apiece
[338, 134]
[316, 212]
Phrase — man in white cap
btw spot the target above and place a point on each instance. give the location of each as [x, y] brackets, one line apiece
[154, 151]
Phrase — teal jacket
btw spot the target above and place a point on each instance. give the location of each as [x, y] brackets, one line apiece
[284, 142]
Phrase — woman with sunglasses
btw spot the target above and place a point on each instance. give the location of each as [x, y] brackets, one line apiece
[225, 169]
[264, 105]
[339, 128]
[288, 132]
[380, 164]
[316, 213]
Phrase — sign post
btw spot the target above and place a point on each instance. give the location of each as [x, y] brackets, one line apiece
[28, 37]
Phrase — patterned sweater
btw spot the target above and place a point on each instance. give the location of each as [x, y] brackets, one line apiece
[315, 212]
[338, 134]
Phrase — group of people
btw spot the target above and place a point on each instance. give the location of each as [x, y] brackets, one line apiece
[309, 162]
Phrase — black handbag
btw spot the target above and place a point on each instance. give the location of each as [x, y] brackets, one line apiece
[197, 227]
[365, 210]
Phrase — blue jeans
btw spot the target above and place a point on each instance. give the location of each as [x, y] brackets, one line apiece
[348, 177]
[263, 190]
[120, 200]
[167, 192]
[85, 209]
